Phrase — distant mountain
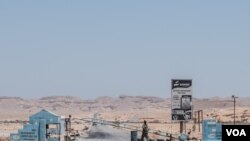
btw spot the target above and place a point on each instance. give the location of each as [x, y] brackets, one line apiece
[75, 105]
[7, 97]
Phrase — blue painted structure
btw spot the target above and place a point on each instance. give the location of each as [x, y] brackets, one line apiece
[42, 126]
[211, 130]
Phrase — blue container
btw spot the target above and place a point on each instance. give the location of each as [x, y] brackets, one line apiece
[211, 130]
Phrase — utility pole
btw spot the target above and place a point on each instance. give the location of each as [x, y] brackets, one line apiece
[234, 97]
[199, 119]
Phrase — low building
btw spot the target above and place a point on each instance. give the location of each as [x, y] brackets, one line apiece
[42, 126]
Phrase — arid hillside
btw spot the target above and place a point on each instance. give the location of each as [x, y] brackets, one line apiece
[131, 109]
[14, 108]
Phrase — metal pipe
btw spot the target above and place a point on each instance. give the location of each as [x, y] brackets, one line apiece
[151, 131]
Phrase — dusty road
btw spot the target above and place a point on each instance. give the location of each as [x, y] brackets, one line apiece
[105, 133]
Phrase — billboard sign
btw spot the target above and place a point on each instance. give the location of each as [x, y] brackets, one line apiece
[181, 99]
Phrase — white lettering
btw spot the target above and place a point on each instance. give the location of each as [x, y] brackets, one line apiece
[229, 132]
[236, 132]
[242, 132]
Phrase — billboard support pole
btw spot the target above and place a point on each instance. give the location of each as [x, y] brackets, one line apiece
[181, 127]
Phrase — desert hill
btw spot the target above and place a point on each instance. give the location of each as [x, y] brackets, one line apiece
[15, 111]
[19, 108]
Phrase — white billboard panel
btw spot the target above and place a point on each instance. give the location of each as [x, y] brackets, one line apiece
[181, 100]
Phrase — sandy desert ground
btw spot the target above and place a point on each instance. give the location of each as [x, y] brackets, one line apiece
[128, 109]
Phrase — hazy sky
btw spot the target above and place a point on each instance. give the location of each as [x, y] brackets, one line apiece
[97, 48]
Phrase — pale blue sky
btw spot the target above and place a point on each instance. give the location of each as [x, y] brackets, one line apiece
[109, 48]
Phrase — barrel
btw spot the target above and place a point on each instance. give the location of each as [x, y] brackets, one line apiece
[133, 135]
